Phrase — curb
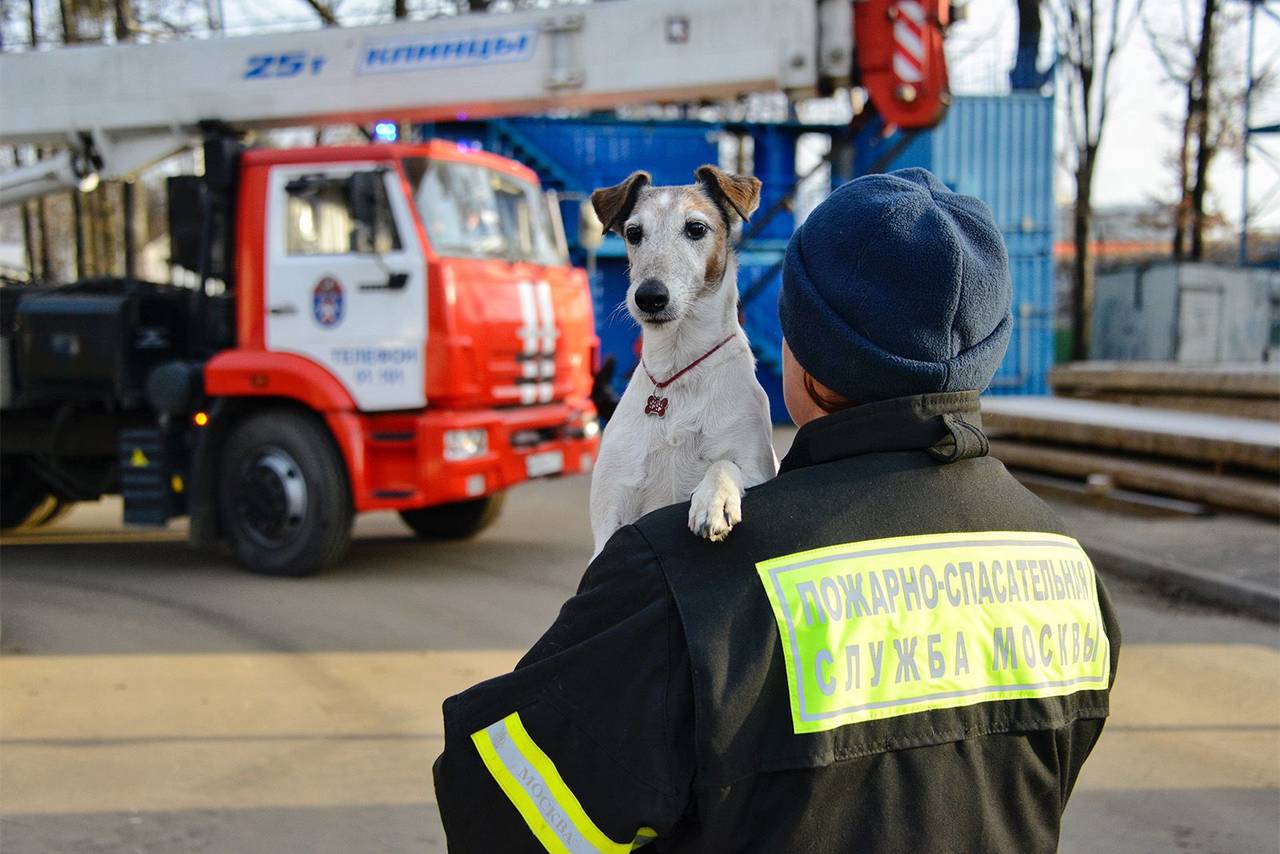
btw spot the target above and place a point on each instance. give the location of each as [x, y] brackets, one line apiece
[1208, 587]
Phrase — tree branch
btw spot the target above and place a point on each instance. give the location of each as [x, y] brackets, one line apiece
[325, 11]
[1165, 54]
[1117, 35]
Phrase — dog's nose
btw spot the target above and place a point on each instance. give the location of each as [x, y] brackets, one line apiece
[652, 296]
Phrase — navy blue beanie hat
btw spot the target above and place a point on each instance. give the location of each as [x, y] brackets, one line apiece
[896, 286]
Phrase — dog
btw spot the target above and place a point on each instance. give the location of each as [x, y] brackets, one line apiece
[693, 422]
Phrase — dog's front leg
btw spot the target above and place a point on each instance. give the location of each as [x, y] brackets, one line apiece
[613, 505]
[716, 505]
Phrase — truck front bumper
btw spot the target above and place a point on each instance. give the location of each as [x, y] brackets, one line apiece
[400, 461]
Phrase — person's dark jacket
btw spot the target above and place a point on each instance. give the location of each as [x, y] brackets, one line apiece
[660, 706]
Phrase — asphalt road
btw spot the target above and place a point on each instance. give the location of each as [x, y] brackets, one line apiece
[155, 699]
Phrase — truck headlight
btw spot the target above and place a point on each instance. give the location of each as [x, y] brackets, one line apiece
[581, 424]
[465, 444]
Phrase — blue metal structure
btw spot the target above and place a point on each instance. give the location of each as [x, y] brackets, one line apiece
[998, 148]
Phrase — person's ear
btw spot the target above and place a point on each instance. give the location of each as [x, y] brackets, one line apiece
[613, 204]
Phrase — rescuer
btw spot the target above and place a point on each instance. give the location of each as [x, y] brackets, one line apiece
[898, 649]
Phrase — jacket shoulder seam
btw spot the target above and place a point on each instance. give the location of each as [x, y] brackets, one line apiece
[672, 602]
[669, 781]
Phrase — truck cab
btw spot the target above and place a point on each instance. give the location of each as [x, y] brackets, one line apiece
[404, 332]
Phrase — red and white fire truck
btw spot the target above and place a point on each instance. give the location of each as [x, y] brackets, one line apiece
[374, 326]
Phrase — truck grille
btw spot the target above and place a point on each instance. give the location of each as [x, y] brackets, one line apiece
[536, 359]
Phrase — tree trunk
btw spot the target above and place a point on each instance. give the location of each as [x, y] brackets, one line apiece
[42, 227]
[70, 23]
[71, 35]
[92, 233]
[124, 33]
[1182, 212]
[77, 225]
[1082, 275]
[130, 233]
[40, 211]
[123, 21]
[1204, 144]
[105, 230]
[28, 236]
[400, 9]
[325, 11]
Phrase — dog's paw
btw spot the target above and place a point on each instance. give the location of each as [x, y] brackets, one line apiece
[715, 508]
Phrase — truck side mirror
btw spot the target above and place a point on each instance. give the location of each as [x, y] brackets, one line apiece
[552, 200]
[364, 197]
[590, 229]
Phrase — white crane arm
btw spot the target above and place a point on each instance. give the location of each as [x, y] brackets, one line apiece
[133, 99]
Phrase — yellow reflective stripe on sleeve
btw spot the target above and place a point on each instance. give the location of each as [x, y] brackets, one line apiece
[535, 788]
[644, 836]
[519, 798]
[890, 627]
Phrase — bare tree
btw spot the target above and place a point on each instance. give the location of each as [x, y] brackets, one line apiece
[1198, 62]
[25, 212]
[326, 12]
[41, 209]
[123, 19]
[1198, 108]
[125, 28]
[93, 213]
[1090, 35]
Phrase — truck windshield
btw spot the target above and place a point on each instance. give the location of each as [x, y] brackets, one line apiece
[471, 211]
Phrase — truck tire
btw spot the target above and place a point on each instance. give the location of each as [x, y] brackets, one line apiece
[283, 495]
[24, 498]
[456, 521]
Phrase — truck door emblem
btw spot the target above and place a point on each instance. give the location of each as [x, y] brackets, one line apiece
[327, 303]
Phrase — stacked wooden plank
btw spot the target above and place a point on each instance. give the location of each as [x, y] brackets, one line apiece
[1244, 390]
[1219, 460]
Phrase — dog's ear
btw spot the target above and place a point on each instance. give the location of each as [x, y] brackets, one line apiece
[613, 204]
[740, 192]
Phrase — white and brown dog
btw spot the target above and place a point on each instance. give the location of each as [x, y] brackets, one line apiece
[693, 422]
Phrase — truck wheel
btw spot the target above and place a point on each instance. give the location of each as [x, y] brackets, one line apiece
[24, 498]
[283, 494]
[455, 521]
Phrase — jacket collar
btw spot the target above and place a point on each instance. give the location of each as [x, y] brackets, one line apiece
[947, 425]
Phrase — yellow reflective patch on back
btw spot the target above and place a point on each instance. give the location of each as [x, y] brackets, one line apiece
[891, 627]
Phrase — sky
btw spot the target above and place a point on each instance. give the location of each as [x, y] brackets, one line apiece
[1140, 130]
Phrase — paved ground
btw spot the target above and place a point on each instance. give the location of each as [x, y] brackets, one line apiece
[1225, 558]
[153, 699]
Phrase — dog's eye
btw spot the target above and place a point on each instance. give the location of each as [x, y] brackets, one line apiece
[634, 234]
[695, 230]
